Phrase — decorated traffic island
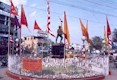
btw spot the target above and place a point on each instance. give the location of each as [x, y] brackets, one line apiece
[56, 67]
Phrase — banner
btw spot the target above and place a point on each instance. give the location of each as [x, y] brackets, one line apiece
[32, 64]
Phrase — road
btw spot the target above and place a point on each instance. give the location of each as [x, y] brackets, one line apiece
[3, 75]
[113, 75]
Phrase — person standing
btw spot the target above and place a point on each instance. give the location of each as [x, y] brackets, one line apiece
[59, 34]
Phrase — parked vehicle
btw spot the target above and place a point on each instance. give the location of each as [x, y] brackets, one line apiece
[115, 59]
[3, 60]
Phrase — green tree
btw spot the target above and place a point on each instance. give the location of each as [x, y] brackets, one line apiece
[96, 43]
[114, 36]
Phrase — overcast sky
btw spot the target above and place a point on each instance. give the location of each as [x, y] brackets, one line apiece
[95, 11]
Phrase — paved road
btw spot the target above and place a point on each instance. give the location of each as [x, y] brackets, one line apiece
[113, 75]
[3, 75]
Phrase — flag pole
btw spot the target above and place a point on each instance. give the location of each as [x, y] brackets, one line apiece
[13, 42]
[20, 47]
[9, 25]
[9, 40]
[64, 43]
[20, 41]
[109, 57]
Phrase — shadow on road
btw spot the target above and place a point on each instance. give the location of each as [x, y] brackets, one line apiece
[1, 77]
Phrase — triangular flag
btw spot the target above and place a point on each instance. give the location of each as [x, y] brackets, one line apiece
[108, 28]
[23, 17]
[108, 31]
[87, 33]
[66, 30]
[105, 35]
[36, 26]
[17, 22]
[83, 28]
[13, 9]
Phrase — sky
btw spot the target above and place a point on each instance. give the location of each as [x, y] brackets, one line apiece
[95, 11]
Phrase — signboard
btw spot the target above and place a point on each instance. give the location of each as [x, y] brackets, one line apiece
[32, 64]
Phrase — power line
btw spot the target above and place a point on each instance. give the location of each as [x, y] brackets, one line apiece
[100, 4]
[44, 10]
[68, 15]
[82, 8]
[110, 2]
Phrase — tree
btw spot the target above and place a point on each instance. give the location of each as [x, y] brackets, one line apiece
[96, 43]
[114, 36]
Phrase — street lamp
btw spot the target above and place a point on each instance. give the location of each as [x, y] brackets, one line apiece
[83, 48]
[17, 46]
[16, 39]
[104, 46]
[83, 39]
[103, 41]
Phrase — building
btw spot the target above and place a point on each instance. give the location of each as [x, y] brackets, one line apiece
[37, 44]
[6, 21]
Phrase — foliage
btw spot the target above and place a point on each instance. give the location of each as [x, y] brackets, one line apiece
[114, 36]
[96, 43]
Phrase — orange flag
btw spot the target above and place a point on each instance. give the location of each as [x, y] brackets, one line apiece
[66, 30]
[85, 31]
[13, 9]
[87, 34]
[23, 20]
[105, 35]
[36, 26]
[83, 28]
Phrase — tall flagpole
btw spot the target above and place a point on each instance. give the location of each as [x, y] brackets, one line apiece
[20, 41]
[8, 54]
[48, 20]
[13, 40]
[9, 25]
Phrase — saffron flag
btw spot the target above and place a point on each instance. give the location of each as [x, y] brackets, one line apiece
[105, 35]
[87, 34]
[83, 28]
[66, 30]
[23, 17]
[36, 26]
[13, 9]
